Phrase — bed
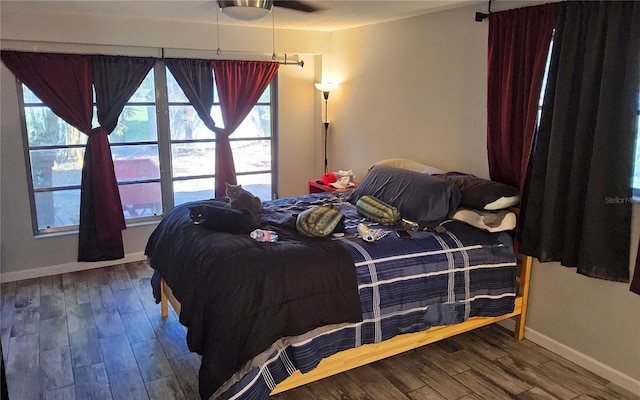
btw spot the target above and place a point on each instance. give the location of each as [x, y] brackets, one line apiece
[268, 317]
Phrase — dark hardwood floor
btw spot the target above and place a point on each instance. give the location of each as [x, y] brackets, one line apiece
[98, 334]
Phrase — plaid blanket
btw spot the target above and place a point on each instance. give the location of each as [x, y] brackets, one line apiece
[404, 285]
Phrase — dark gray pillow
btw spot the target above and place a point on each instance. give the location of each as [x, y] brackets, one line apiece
[425, 199]
[483, 194]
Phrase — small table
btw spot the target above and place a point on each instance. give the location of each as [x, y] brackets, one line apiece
[315, 187]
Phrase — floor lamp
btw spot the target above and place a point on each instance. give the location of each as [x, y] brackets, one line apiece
[325, 88]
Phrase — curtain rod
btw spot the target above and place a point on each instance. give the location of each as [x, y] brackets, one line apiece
[130, 50]
[482, 16]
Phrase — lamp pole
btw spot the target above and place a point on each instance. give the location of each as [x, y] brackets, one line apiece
[326, 127]
[325, 88]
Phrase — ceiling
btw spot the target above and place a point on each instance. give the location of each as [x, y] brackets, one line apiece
[333, 14]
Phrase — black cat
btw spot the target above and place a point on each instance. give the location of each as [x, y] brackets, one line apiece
[223, 219]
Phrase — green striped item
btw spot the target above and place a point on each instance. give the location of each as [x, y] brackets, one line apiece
[377, 210]
[318, 221]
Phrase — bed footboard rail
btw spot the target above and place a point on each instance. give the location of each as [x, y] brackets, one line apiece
[369, 353]
[524, 264]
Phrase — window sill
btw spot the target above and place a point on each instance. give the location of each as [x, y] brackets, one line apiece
[75, 231]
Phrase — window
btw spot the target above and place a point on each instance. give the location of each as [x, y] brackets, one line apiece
[636, 174]
[193, 147]
[163, 154]
[55, 154]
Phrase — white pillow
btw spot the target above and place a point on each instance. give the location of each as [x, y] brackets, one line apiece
[497, 221]
[502, 203]
[411, 165]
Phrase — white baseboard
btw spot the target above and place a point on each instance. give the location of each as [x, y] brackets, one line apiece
[583, 360]
[67, 267]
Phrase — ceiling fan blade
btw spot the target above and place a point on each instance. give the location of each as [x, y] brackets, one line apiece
[296, 5]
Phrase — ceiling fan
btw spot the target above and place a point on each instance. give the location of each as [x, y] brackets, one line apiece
[248, 10]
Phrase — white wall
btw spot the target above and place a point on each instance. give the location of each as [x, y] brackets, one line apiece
[299, 134]
[413, 88]
[416, 88]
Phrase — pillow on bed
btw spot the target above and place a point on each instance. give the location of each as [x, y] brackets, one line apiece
[223, 219]
[496, 221]
[411, 165]
[483, 194]
[422, 198]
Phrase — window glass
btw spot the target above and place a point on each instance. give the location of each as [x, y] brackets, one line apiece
[136, 163]
[256, 124]
[141, 199]
[146, 92]
[174, 92]
[193, 159]
[44, 128]
[52, 168]
[635, 181]
[185, 124]
[258, 184]
[636, 175]
[136, 124]
[193, 189]
[58, 208]
[266, 96]
[255, 155]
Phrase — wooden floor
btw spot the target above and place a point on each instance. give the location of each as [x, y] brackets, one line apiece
[98, 334]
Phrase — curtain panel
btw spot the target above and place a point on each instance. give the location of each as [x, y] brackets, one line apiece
[115, 80]
[195, 78]
[64, 83]
[518, 47]
[576, 206]
[240, 84]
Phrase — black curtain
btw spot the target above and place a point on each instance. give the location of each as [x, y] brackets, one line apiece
[635, 282]
[577, 199]
[195, 78]
[115, 80]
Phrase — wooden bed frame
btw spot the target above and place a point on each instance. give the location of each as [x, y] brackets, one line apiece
[368, 353]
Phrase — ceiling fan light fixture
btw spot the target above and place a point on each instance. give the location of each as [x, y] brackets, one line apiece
[246, 10]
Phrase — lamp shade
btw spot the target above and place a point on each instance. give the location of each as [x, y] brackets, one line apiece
[326, 87]
[246, 10]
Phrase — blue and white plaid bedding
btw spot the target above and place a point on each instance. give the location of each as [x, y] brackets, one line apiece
[405, 286]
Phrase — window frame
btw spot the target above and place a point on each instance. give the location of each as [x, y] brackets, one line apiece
[635, 190]
[164, 143]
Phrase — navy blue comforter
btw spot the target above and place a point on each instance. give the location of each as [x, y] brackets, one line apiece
[402, 285]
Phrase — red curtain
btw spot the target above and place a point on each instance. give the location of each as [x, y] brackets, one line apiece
[240, 84]
[64, 83]
[518, 47]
